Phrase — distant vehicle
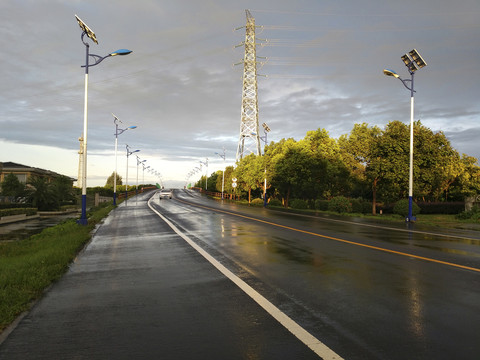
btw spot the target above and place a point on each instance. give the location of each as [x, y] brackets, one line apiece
[165, 193]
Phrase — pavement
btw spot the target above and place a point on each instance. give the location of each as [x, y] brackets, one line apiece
[139, 291]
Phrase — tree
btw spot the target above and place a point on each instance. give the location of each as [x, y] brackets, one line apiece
[11, 186]
[292, 170]
[357, 153]
[388, 168]
[42, 194]
[111, 178]
[435, 165]
[63, 187]
[251, 173]
[467, 183]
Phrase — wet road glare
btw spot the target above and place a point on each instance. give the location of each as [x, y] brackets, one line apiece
[407, 295]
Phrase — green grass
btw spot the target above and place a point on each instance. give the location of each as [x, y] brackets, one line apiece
[29, 266]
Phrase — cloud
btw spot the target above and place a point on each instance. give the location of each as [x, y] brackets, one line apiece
[179, 86]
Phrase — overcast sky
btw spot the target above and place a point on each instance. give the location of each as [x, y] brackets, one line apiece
[180, 88]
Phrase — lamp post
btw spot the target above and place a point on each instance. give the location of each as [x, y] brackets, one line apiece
[98, 59]
[126, 177]
[138, 163]
[117, 132]
[223, 172]
[143, 175]
[413, 61]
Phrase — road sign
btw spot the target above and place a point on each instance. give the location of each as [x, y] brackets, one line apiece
[234, 184]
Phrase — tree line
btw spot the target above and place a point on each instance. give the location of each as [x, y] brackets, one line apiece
[368, 163]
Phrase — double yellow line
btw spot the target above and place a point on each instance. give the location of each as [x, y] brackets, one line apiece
[333, 238]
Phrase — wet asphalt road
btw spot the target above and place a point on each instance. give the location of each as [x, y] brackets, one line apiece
[140, 291]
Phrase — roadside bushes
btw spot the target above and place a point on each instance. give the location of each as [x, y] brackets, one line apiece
[298, 204]
[340, 204]
[18, 211]
[274, 202]
[473, 214]
[401, 208]
[257, 202]
[321, 205]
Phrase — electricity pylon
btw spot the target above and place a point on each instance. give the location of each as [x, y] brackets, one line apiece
[249, 140]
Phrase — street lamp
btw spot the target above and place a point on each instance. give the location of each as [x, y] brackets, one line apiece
[117, 132]
[126, 177]
[413, 61]
[138, 163]
[143, 174]
[98, 59]
[223, 172]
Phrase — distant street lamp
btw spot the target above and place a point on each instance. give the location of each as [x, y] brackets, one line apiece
[117, 132]
[98, 59]
[138, 163]
[143, 174]
[126, 177]
[413, 61]
[223, 172]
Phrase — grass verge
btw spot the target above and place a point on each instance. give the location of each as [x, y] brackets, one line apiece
[29, 266]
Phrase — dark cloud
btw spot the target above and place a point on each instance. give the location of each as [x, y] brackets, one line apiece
[179, 86]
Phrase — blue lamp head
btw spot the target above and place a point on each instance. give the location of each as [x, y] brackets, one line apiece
[121, 52]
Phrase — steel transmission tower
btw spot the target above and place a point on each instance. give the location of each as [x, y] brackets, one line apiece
[249, 141]
[80, 163]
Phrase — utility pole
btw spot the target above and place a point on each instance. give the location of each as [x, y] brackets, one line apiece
[249, 140]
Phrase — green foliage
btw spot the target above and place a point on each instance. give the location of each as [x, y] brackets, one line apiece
[18, 211]
[401, 208]
[321, 205]
[43, 194]
[274, 202]
[257, 202]
[63, 188]
[473, 214]
[111, 178]
[361, 206]
[11, 186]
[298, 204]
[340, 204]
[368, 163]
[105, 191]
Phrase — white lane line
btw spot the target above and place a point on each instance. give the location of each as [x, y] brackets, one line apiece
[308, 339]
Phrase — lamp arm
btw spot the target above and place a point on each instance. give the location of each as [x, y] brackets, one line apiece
[404, 82]
[98, 59]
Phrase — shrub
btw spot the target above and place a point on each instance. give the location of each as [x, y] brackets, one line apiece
[361, 206]
[321, 205]
[340, 204]
[275, 202]
[401, 208]
[19, 211]
[257, 202]
[298, 204]
[473, 214]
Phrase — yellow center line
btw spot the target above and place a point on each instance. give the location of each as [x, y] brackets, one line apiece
[334, 238]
